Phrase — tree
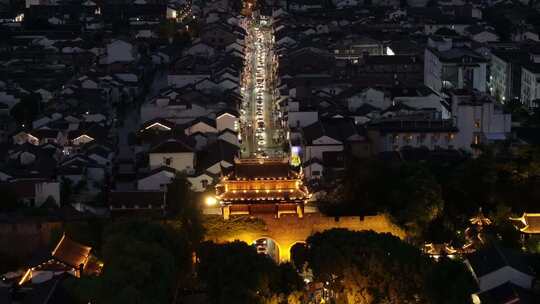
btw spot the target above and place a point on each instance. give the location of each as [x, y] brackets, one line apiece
[235, 273]
[517, 109]
[178, 195]
[361, 191]
[9, 199]
[496, 16]
[448, 282]
[10, 262]
[440, 230]
[167, 29]
[287, 280]
[416, 199]
[183, 208]
[27, 109]
[236, 6]
[181, 39]
[408, 192]
[506, 234]
[142, 262]
[66, 191]
[50, 202]
[366, 267]
[534, 119]
[471, 185]
[299, 255]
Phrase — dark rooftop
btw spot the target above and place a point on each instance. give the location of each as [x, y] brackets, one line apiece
[485, 261]
[507, 293]
[264, 169]
[172, 146]
[406, 125]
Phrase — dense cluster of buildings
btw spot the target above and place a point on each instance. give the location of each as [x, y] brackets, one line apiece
[367, 83]
[375, 81]
[103, 103]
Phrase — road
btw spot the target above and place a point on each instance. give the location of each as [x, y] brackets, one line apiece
[262, 134]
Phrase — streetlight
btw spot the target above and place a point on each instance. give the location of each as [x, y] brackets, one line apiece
[210, 201]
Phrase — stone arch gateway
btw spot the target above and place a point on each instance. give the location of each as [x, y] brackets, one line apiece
[288, 230]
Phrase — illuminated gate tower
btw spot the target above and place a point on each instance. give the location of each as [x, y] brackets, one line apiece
[262, 186]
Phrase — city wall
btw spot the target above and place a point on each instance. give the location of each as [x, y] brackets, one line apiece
[289, 229]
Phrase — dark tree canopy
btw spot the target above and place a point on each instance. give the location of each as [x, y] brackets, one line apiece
[235, 273]
[408, 192]
[433, 199]
[367, 267]
[27, 109]
[448, 282]
[182, 207]
[299, 255]
[9, 199]
[142, 262]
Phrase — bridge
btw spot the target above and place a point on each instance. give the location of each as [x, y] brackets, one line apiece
[288, 230]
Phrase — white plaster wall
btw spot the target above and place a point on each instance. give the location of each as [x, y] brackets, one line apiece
[182, 162]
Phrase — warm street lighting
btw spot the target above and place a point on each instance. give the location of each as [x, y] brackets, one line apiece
[210, 201]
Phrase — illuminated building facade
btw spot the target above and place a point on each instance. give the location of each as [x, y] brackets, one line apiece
[262, 186]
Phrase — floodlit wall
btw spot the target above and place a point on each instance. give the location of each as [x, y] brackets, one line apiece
[289, 229]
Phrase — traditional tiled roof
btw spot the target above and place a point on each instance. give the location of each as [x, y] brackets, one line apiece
[208, 121]
[227, 111]
[528, 223]
[507, 293]
[93, 130]
[219, 151]
[439, 249]
[163, 123]
[51, 291]
[444, 31]
[158, 170]
[172, 146]
[71, 169]
[97, 149]
[337, 128]
[70, 252]
[261, 170]
[477, 29]
[44, 133]
[488, 260]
